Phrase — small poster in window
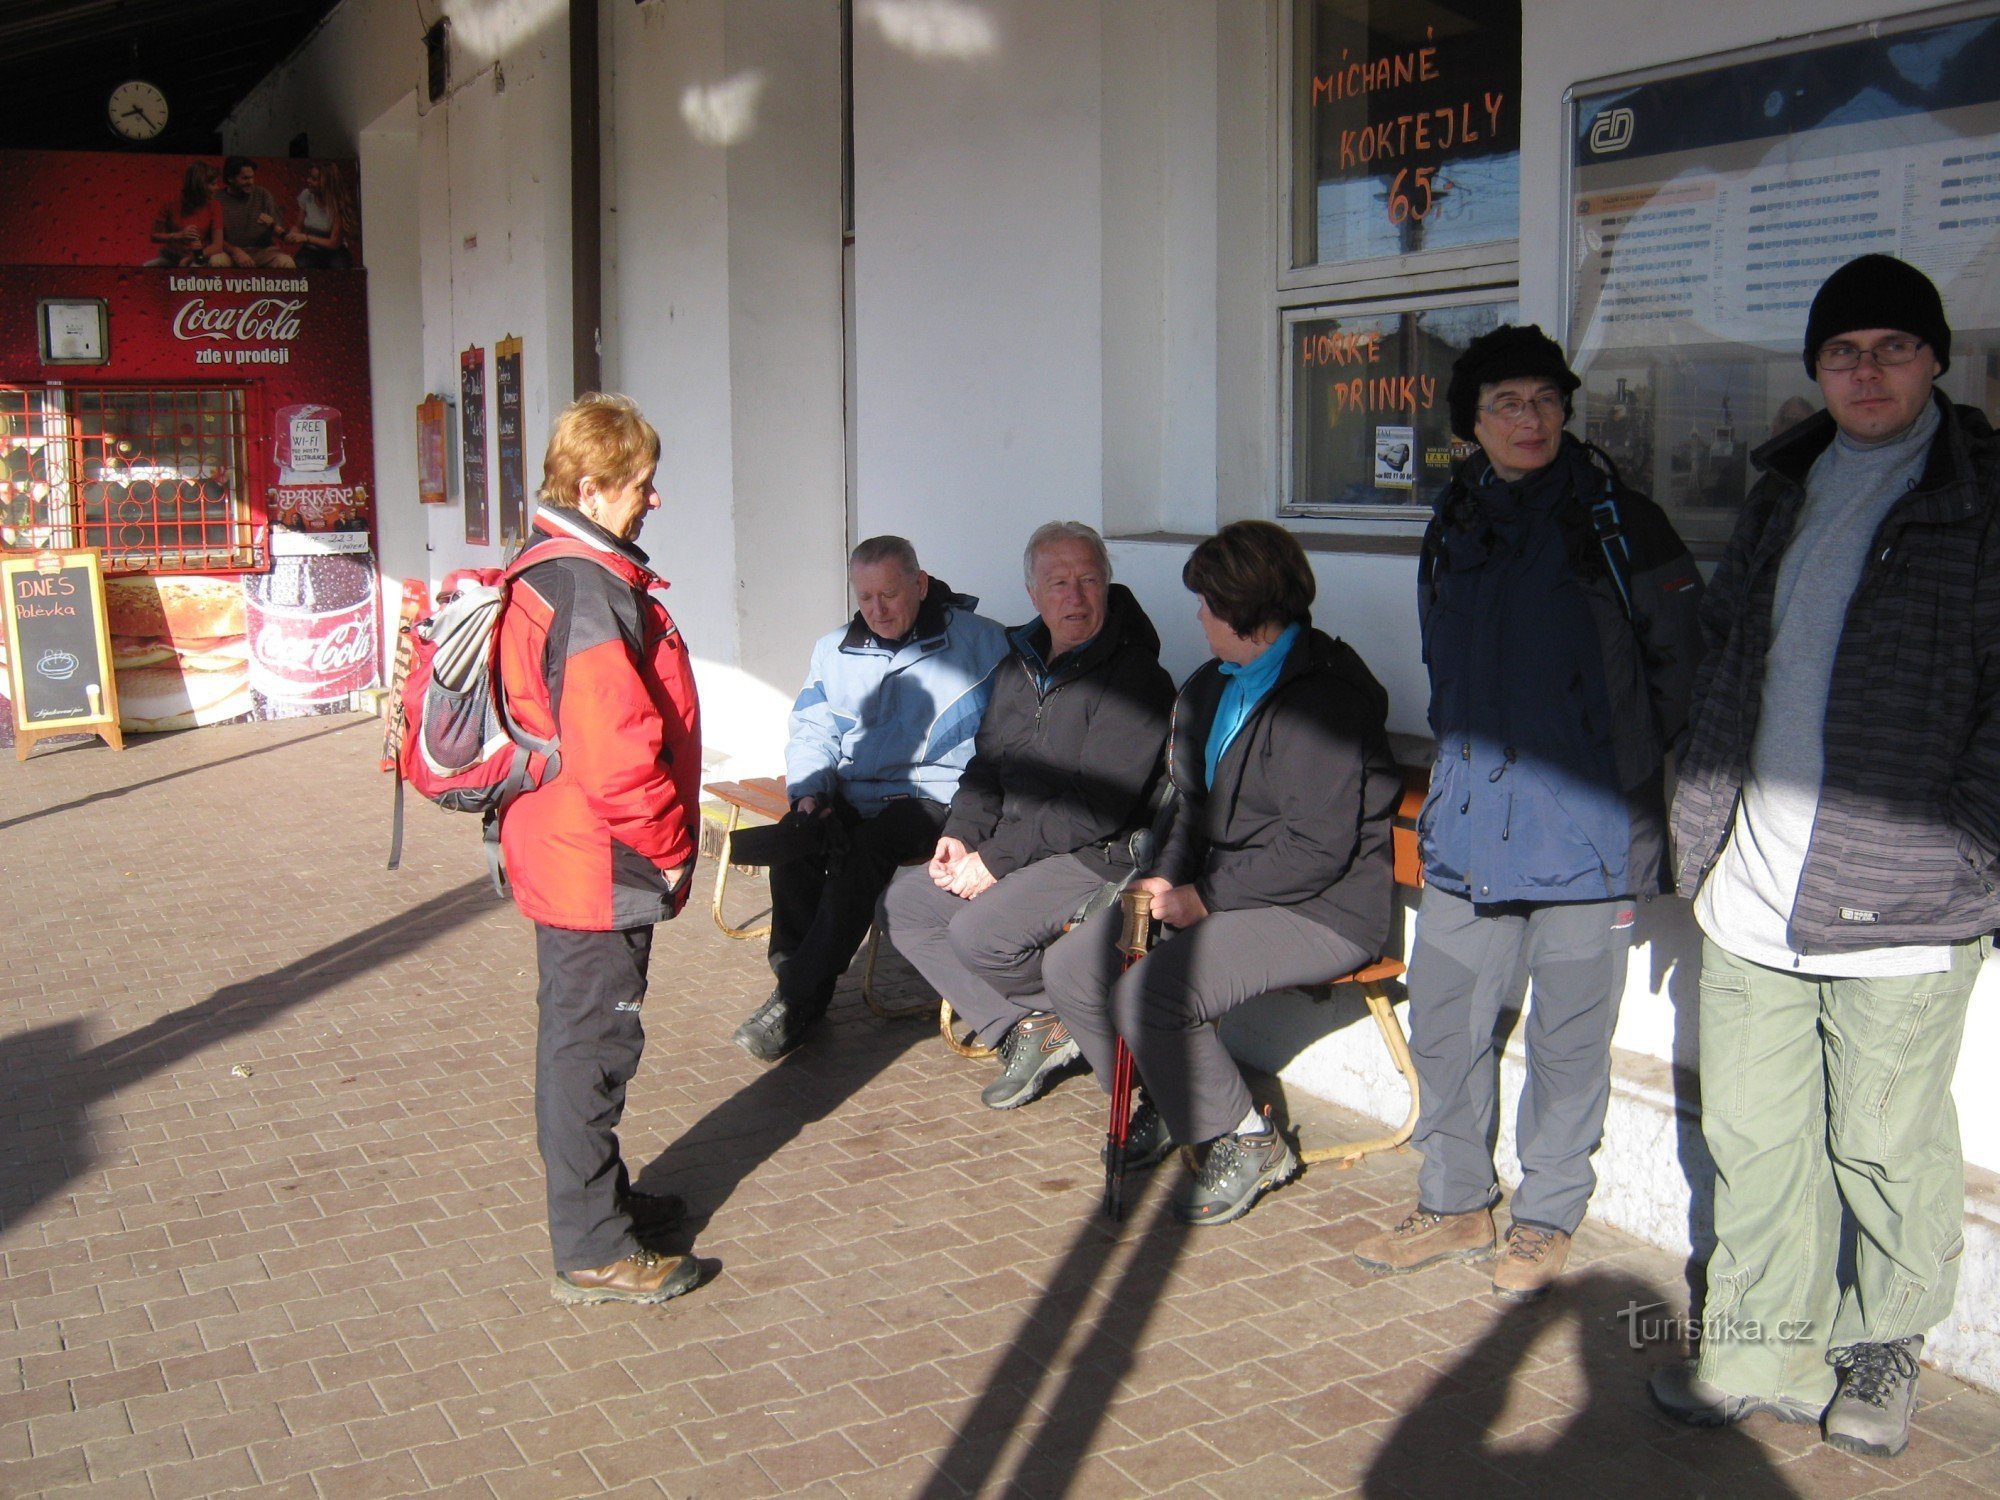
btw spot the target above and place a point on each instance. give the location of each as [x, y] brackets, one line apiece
[472, 434]
[508, 442]
[1395, 458]
[431, 450]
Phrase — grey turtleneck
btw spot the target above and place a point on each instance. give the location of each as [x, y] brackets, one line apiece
[1746, 903]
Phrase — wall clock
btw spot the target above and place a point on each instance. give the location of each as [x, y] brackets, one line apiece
[137, 110]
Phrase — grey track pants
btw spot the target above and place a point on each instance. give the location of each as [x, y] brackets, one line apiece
[985, 955]
[1463, 972]
[587, 1048]
[1164, 1006]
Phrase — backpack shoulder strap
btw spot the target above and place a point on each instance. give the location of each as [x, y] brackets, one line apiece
[1609, 527]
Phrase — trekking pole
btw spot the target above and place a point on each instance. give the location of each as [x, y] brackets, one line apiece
[1134, 939]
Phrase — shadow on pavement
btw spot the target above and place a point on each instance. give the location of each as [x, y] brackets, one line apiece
[208, 765]
[1474, 1433]
[52, 1080]
[1071, 1416]
[708, 1161]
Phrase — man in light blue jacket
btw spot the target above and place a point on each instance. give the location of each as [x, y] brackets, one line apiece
[880, 732]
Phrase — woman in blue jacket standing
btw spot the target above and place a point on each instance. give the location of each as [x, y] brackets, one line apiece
[1558, 613]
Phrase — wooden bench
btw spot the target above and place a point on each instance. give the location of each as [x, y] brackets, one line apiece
[762, 796]
[1376, 978]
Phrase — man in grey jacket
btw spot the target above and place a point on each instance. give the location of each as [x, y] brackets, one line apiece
[1837, 823]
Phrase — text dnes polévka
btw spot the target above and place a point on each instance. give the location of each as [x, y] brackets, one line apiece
[43, 598]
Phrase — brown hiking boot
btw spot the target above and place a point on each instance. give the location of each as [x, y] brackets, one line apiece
[1424, 1239]
[1532, 1261]
[642, 1276]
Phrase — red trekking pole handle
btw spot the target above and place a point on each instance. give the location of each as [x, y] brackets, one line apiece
[1135, 939]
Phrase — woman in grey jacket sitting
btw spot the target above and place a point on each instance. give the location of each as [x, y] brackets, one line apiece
[1276, 870]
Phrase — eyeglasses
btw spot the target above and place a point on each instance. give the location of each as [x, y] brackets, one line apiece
[1885, 354]
[1512, 408]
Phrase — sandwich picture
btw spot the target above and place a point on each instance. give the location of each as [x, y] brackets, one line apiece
[179, 649]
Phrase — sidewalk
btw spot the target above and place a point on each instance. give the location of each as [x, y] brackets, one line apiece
[272, 1219]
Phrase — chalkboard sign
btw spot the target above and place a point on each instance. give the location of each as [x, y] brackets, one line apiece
[58, 648]
[472, 435]
[513, 463]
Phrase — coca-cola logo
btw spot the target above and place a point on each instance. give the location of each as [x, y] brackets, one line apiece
[318, 655]
[266, 319]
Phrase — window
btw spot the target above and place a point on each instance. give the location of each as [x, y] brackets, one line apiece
[1405, 126]
[1711, 200]
[1365, 394]
[156, 477]
[1402, 222]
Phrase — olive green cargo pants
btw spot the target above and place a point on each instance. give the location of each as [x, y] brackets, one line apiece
[1820, 1095]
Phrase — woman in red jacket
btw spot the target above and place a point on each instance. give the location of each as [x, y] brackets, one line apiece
[605, 848]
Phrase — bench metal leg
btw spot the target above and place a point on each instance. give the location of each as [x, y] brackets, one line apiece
[1377, 996]
[948, 1028]
[722, 884]
[886, 1012]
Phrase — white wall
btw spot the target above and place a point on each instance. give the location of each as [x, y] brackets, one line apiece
[978, 281]
[723, 319]
[390, 177]
[466, 232]
[722, 309]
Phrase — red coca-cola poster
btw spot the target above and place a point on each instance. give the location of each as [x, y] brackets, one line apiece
[112, 208]
[204, 421]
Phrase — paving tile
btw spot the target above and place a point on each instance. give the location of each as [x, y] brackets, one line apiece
[329, 1278]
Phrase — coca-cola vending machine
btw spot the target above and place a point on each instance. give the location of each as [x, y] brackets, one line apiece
[184, 385]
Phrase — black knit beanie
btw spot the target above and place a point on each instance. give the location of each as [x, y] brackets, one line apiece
[1878, 291]
[1509, 352]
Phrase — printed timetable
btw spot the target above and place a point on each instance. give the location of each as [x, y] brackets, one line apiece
[1709, 207]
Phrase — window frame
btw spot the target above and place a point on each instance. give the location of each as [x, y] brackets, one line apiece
[249, 549]
[1416, 282]
[1335, 516]
[1705, 529]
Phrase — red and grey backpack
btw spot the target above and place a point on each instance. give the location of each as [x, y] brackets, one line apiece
[450, 735]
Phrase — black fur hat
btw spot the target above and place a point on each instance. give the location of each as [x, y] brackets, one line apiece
[1510, 352]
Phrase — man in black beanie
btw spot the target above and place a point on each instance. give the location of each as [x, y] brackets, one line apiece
[1837, 823]
[1558, 612]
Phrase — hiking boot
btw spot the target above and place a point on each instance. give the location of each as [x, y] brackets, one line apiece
[1686, 1397]
[1236, 1170]
[643, 1276]
[776, 1027]
[1031, 1055]
[1533, 1259]
[1147, 1144]
[1425, 1239]
[1878, 1391]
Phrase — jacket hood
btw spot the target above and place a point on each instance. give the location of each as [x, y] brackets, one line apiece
[1316, 651]
[932, 617]
[1125, 624]
[1587, 469]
